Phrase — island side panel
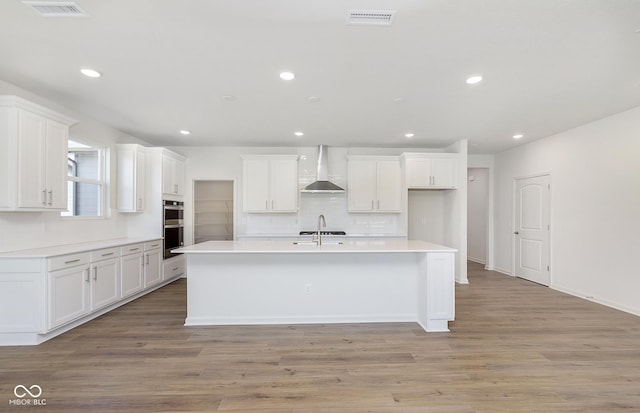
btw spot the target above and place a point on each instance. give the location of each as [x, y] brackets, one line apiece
[436, 291]
[263, 288]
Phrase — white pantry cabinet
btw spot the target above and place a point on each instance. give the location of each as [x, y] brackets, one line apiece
[33, 155]
[430, 171]
[131, 178]
[270, 183]
[374, 184]
[172, 173]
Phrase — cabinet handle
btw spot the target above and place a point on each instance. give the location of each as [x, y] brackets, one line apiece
[95, 273]
[272, 204]
[106, 255]
[134, 249]
[86, 278]
[378, 204]
[72, 261]
[154, 245]
[372, 204]
[175, 269]
[266, 204]
[147, 259]
[44, 197]
[50, 198]
[175, 189]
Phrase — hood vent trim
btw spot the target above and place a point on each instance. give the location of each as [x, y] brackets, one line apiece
[322, 184]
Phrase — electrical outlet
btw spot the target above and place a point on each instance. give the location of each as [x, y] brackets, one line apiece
[307, 288]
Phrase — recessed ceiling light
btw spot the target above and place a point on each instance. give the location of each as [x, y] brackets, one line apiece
[298, 133]
[518, 136]
[473, 79]
[409, 135]
[185, 132]
[90, 72]
[287, 76]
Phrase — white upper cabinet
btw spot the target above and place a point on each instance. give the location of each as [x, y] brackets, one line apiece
[131, 178]
[430, 171]
[270, 183]
[374, 184]
[33, 155]
[172, 173]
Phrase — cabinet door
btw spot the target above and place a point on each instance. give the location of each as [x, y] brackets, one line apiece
[32, 191]
[168, 169]
[69, 295]
[362, 186]
[105, 283]
[131, 274]
[178, 176]
[443, 172]
[255, 185]
[139, 189]
[418, 173]
[388, 189]
[152, 265]
[283, 186]
[57, 143]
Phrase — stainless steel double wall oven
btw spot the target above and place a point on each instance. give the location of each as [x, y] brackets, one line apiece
[173, 226]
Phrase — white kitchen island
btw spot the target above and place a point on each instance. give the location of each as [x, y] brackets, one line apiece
[277, 282]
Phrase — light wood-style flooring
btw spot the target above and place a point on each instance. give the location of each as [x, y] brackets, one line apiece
[515, 347]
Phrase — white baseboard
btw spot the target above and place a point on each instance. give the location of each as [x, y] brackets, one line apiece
[476, 260]
[606, 303]
[505, 272]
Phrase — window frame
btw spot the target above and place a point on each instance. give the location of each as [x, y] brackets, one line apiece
[102, 182]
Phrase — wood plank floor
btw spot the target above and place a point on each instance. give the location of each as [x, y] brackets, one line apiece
[514, 347]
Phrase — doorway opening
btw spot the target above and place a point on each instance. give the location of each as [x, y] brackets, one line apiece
[213, 211]
[477, 214]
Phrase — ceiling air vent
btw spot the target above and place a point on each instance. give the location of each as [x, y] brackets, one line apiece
[377, 17]
[56, 8]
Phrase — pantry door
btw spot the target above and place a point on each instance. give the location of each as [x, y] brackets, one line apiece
[532, 229]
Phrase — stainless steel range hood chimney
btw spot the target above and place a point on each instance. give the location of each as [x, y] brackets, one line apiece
[322, 184]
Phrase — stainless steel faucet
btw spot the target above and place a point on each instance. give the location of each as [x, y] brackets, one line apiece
[321, 221]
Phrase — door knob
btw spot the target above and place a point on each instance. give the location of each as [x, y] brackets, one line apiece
[516, 232]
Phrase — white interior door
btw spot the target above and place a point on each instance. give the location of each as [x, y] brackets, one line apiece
[532, 249]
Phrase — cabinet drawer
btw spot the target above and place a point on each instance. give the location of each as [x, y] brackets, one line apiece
[105, 254]
[152, 245]
[131, 249]
[173, 268]
[68, 261]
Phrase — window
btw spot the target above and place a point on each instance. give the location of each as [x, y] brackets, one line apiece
[86, 182]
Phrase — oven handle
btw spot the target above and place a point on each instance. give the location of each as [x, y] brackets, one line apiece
[175, 208]
[174, 226]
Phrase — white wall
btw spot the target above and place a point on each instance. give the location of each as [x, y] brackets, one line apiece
[595, 207]
[477, 212]
[24, 230]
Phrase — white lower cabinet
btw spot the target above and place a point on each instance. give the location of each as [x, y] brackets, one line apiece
[69, 295]
[173, 267]
[131, 273]
[152, 263]
[43, 296]
[105, 283]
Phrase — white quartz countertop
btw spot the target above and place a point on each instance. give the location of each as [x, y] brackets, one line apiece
[288, 247]
[74, 248]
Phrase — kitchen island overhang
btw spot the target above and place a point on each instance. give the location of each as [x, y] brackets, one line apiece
[277, 282]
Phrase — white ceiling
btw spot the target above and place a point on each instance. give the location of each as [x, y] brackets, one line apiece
[549, 65]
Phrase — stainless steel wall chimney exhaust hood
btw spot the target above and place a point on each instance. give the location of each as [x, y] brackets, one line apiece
[322, 184]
